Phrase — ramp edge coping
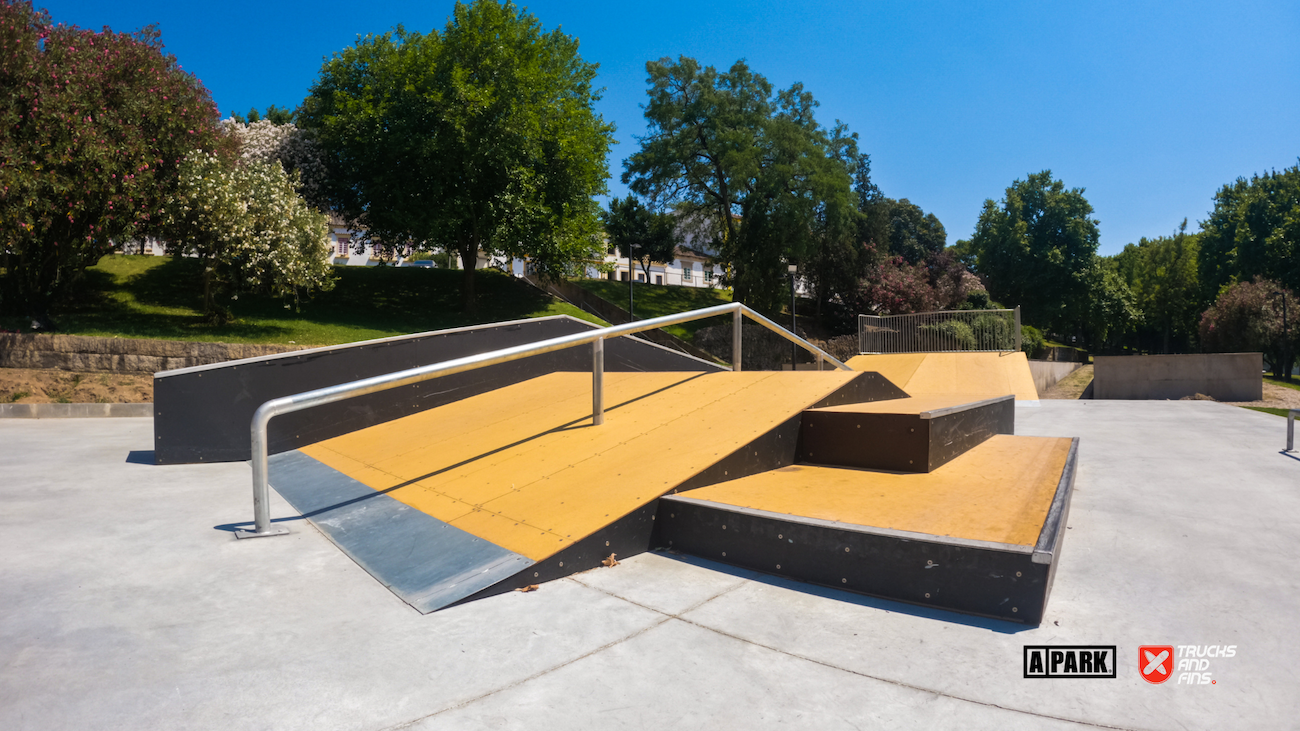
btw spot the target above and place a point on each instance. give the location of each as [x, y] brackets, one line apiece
[1049, 539]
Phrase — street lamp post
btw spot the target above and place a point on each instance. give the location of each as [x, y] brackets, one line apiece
[794, 349]
[1286, 341]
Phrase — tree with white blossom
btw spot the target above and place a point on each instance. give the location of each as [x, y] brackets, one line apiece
[293, 147]
[247, 224]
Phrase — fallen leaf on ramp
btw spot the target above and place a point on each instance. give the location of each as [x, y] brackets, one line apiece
[611, 560]
[530, 587]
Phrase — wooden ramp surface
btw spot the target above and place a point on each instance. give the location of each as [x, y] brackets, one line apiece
[523, 467]
[998, 492]
[948, 373]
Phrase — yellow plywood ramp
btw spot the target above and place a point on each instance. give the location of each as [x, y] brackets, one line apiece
[523, 467]
[998, 492]
[949, 373]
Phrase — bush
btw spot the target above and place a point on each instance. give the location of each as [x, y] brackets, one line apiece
[1247, 318]
[994, 332]
[949, 335]
[1032, 341]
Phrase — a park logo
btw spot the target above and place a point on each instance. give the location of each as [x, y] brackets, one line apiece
[1069, 661]
[1156, 662]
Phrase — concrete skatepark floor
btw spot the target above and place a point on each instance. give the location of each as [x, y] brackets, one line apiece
[129, 604]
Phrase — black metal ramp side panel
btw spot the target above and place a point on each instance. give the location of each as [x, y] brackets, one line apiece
[625, 537]
[779, 447]
[957, 432]
[900, 442]
[204, 414]
[933, 571]
[426, 562]
[870, 386]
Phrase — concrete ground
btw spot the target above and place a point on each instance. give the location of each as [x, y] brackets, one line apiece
[125, 602]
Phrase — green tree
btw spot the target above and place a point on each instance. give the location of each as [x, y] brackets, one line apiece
[481, 138]
[273, 114]
[1254, 230]
[1162, 274]
[1037, 249]
[723, 146]
[913, 233]
[249, 227]
[1109, 309]
[93, 128]
[640, 233]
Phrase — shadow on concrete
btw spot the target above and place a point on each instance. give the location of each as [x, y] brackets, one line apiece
[862, 600]
[140, 456]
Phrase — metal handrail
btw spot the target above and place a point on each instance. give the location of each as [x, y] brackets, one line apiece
[340, 392]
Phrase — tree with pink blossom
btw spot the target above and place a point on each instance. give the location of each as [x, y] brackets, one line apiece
[94, 126]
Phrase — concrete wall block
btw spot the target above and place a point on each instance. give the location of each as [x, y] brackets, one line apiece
[1222, 376]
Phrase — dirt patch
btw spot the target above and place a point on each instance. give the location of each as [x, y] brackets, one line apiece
[44, 386]
[1070, 387]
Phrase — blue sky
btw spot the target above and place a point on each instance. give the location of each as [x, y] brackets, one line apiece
[1150, 107]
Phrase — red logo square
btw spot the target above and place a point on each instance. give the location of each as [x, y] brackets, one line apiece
[1156, 662]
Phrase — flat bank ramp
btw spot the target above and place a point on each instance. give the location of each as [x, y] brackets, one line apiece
[517, 486]
[946, 373]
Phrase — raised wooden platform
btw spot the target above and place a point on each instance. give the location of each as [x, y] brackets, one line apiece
[977, 535]
[915, 434]
[833, 477]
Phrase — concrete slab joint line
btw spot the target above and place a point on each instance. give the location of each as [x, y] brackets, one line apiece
[681, 616]
[667, 617]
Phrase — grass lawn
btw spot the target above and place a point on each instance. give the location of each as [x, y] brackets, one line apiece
[1267, 410]
[161, 297]
[1293, 383]
[653, 300]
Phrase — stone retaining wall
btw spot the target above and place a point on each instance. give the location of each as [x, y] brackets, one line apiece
[121, 355]
[74, 411]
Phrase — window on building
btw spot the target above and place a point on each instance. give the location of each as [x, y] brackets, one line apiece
[708, 276]
[342, 248]
[659, 279]
[686, 272]
[640, 277]
[622, 276]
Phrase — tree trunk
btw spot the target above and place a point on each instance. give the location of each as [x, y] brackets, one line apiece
[468, 261]
[207, 290]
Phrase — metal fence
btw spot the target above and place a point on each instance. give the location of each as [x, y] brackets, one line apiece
[940, 332]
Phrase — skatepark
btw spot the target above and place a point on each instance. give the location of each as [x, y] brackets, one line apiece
[668, 542]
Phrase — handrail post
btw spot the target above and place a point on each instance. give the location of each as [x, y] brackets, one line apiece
[598, 382]
[261, 494]
[736, 356]
[1017, 326]
[1290, 429]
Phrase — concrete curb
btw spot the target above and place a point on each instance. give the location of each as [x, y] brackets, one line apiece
[73, 411]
